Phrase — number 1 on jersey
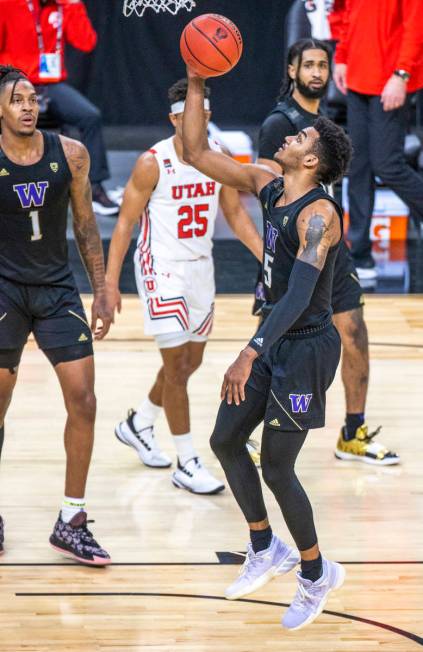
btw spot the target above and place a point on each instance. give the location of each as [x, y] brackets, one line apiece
[36, 231]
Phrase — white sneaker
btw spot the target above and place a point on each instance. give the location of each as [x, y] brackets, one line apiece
[367, 273]
[259, 568]
[116, 195]
[311, 597]
[143, 441]
[194, 477]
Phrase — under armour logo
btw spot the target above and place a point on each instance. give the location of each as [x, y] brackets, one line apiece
[300, 402]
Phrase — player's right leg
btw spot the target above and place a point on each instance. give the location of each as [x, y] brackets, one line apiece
[15, 326]
[9, 361]
[267, 555]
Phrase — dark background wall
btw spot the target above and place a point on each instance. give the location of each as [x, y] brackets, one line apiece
[137, 59]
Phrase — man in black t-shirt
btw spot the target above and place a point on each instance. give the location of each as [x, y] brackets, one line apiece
[307, 78]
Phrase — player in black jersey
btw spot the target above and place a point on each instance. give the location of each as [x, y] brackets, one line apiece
[282, 375]
[39, 174]
[307, 78]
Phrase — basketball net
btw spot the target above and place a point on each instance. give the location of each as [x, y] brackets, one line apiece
[139, 6]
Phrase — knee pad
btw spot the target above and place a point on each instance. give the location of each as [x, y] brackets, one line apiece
[68, 353]
[10, 359]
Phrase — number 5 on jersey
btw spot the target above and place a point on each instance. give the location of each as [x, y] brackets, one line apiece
[267, 269]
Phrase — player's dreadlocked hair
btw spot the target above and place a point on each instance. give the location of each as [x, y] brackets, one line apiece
[295, 53]
[178, 91]
[10, 74]
[334, 150]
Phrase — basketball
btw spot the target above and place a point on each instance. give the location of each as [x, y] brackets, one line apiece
[211, 45]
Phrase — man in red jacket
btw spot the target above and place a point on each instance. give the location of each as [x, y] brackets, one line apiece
[378, 64]
[33, 35]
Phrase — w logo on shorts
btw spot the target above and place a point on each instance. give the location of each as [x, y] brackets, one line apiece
[300, 402]
[31, 194]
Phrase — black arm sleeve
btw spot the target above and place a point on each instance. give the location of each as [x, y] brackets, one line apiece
[273, 132]
[285, 313]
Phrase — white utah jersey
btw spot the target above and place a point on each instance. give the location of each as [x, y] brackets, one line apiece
[179, 219]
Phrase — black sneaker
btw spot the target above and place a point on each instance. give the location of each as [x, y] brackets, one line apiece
[1, 536]
[102, 204]
[74, 540]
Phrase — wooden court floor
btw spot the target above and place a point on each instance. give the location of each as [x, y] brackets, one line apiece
[173, 551]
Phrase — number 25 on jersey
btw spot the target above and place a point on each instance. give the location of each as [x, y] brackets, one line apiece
[194, 221]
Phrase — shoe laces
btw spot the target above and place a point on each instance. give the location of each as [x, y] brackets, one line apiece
[86, 535]
[252, 560]
[307, 593]
[365, 435]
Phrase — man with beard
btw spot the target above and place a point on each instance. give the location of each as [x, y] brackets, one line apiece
[307, 78]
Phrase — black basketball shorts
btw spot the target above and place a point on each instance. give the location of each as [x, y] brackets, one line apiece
[54, 314]
[295, 376]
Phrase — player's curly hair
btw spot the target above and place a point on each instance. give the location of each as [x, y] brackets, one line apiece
[178, 91]
[295, 54]
[333, 149]
[11, 74]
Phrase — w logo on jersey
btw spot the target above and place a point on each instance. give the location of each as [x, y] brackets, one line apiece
[31, 194]
[271, 237]
[300, 402]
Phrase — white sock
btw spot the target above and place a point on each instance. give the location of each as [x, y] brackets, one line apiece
[184, 448]
[70, 507]
[146, 414]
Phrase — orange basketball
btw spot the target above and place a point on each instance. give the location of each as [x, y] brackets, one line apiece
[211, 45]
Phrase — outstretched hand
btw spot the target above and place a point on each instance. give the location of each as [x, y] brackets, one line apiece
[192, 74]
[233, 386]
[101, 311]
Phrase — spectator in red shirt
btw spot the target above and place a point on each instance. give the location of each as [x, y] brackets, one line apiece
[33, 35]
[378, 64]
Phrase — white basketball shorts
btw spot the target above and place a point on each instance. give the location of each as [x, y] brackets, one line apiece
[178, 297]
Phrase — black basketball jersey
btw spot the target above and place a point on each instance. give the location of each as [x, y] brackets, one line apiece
[33, 216]
[281, 243]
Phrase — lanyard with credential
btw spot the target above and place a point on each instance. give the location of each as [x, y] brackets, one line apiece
[39, 31]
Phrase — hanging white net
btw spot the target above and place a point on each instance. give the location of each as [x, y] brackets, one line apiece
[139, 6]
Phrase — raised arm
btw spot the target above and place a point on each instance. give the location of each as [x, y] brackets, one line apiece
[218, 166]
[240, 221]
[86, 233]
[144, 178]
[319, 229]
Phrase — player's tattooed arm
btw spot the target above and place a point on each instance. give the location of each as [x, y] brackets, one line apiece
[217, 165]
[318, 229]
[86, 233]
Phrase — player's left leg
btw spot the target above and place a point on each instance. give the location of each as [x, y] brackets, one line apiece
[74, 366]
[318, 576]
[355, 442]
[61, 330]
